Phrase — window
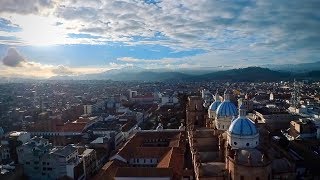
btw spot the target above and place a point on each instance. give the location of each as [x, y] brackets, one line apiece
[36, 162]
[43, 163]
[44, 168]
[27, 162]
[247, 144]
[257, 178]
[235, 143]
[241, 177]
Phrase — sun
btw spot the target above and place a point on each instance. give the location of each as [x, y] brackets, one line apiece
[39, 31]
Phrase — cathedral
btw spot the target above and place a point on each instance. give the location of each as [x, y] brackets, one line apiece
[228, 146]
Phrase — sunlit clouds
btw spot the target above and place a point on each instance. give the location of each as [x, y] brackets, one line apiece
[157, 34]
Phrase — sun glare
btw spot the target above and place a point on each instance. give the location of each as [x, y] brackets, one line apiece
[41, 32]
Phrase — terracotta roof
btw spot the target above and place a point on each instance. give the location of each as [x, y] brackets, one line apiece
[171, 157]
[144, 172]
[73, 127]
[150, 152]
[165, 160]
[108, 171]
[175, 160]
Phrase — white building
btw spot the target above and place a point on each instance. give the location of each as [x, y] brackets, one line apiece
[41, 161]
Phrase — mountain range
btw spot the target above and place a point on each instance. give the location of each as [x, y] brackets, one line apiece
[241, 74]
[262, 73]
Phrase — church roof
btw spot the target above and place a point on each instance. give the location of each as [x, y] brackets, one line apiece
[243, 126]
[226, 108]
[214, 106]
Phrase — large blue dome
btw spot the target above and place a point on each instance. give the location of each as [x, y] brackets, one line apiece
[243, 126]
[227, 109]
[214, 106]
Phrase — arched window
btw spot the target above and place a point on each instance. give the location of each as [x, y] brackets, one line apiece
[235, 143]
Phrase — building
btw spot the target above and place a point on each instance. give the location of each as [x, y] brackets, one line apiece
[195, 112]
[274, 118]
[41, 160]
[213, 107]
[147, 98]
[302, 129]
[89, 159]
[225, 113]
[232, 153]
[11, 141]
[150, 154]
[207, 98]
[168, 100]
[4, 152]
[247, 103]
[243, 156]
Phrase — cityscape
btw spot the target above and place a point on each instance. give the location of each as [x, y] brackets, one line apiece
[159, 89]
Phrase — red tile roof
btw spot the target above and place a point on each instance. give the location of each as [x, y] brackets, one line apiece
[171, 157]
[144, 172]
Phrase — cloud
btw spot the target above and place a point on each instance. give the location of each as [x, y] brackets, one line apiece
[25, 6]
[246, 29]
[62, 70]
[206, 24]
[13, 58]
[15, 65]
[8, 26]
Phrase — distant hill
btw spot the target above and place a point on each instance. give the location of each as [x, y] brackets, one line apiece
[150, 76]
[246, 74]
[297, 68]
[241, 74]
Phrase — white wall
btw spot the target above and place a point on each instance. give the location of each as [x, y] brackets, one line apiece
[241, 141]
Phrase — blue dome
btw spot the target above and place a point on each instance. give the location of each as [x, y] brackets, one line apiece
[214, 106]
[243, 126]
[227, 108]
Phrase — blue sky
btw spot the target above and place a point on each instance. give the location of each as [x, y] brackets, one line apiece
[66, 37]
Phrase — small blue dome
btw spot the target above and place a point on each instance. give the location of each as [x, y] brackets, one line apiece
[214, 106]
[226, 108]
[243, 126]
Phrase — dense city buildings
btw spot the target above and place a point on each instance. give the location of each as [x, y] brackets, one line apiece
[159, 90]
[174, 130]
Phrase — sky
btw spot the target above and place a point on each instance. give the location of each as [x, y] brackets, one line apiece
[45, 38]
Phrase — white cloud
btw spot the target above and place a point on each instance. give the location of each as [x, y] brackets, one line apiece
[186, 23]
[248, 29]
[26, 6]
